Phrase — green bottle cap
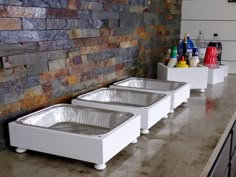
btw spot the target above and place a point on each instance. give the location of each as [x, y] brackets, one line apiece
[174, 52]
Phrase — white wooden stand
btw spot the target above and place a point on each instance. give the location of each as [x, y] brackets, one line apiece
[96, 149]
[226, 68]
[150, 115]
[178, 96]
[197, 77]
[216, 75]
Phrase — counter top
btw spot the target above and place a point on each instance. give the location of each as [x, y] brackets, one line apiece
[184, 145]
[218, 147]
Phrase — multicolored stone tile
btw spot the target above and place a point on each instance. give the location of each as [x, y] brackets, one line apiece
[52, 50]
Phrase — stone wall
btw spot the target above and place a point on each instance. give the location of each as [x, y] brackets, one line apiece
[53, 50]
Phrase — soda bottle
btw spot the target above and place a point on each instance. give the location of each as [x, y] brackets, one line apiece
[216, 43]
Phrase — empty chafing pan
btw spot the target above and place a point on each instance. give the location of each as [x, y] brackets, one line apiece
[88, 134]
[151, 106]
[179, 91]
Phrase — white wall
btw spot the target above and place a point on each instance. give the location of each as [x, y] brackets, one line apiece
[212, 16]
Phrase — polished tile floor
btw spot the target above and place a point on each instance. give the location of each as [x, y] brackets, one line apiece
[178, 146]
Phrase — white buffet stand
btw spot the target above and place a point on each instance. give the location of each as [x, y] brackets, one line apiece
[226, 68]
[197, 77]
[216, 75]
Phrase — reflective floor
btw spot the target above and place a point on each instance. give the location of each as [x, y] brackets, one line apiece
[178, 146]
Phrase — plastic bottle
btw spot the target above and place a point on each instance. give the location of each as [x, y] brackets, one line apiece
[182, 63]
[167, 57]
[172, 63]
[185, 48]
[201, 45]
[173, 59]
[190, 44]
[174, 52]
[194, 60]
[216, 43]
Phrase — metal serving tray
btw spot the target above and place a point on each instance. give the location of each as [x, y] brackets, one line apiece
[180, 91]
[71, 119]
[151, 106]
[122, 97]
[88, 134]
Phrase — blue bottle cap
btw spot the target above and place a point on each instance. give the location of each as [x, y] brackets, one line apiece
[195, 51]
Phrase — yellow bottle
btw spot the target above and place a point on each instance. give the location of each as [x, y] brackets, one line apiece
[182, 63]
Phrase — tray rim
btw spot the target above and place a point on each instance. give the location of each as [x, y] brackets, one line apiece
[142, 78]
[130, 105]
[148, 79]
[17, 121]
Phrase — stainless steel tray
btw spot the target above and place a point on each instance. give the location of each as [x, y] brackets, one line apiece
[122, 97]
[151, 84]
[80, 120]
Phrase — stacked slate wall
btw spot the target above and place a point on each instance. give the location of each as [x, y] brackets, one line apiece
[53, 50]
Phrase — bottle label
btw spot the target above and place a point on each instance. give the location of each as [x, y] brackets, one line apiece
[194, 61]
[201, 52]
[172, 63]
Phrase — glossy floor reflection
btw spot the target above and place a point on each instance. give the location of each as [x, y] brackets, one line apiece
[179, 146]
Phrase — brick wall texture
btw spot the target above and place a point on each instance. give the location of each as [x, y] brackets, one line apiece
[53, 50]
